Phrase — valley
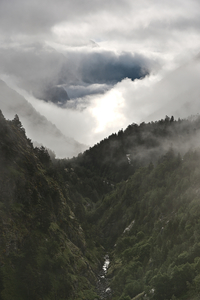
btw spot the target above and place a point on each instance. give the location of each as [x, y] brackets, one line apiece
[99, 225]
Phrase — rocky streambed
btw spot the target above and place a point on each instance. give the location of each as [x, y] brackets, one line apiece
[103, 288]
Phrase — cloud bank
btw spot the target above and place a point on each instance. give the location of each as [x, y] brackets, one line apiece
[40, 69]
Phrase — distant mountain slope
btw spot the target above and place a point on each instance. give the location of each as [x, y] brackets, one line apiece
[38, 128]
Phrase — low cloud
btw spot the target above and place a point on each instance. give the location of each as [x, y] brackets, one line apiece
[109, 68]
[120, 61]
[37, 126]
[40, 69]
[79, 91]
[154, 97]
[93, 117]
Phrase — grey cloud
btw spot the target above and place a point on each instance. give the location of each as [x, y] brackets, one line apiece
[32, 65]
[105, 19]
[40, 69]
[35, 68]
[56, 94]
[166, 32]
[36, 17]
[107, 67]
[79, 91]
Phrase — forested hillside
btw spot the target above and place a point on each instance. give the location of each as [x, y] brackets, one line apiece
[152, 222]
[134, 196]
[118, 156]
[44, 253]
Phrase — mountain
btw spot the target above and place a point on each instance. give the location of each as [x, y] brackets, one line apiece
[38, 128]
[144, 183]
[131, 200]
[44, 253]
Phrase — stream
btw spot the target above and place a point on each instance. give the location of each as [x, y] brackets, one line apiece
[103, 288]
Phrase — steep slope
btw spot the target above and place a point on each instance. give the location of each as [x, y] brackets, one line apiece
[38, 128]
[149, 223]
[43, 251]
[151, 227]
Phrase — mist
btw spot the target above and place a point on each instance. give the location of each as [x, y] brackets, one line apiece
[91, 118]
[37, 127]
[92, 68]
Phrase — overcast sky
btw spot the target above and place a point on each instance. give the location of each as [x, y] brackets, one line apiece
[121, 61]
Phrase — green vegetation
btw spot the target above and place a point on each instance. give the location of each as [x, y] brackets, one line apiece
[135, 195]
[160, 252]
[43, 249]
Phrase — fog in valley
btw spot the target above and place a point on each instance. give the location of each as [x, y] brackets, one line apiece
[91, 69]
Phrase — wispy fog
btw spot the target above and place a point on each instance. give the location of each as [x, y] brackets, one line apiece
[37, 127]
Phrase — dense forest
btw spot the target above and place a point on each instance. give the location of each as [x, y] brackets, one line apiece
[135, 196]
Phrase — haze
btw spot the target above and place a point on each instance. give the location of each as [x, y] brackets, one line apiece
[120, 62]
